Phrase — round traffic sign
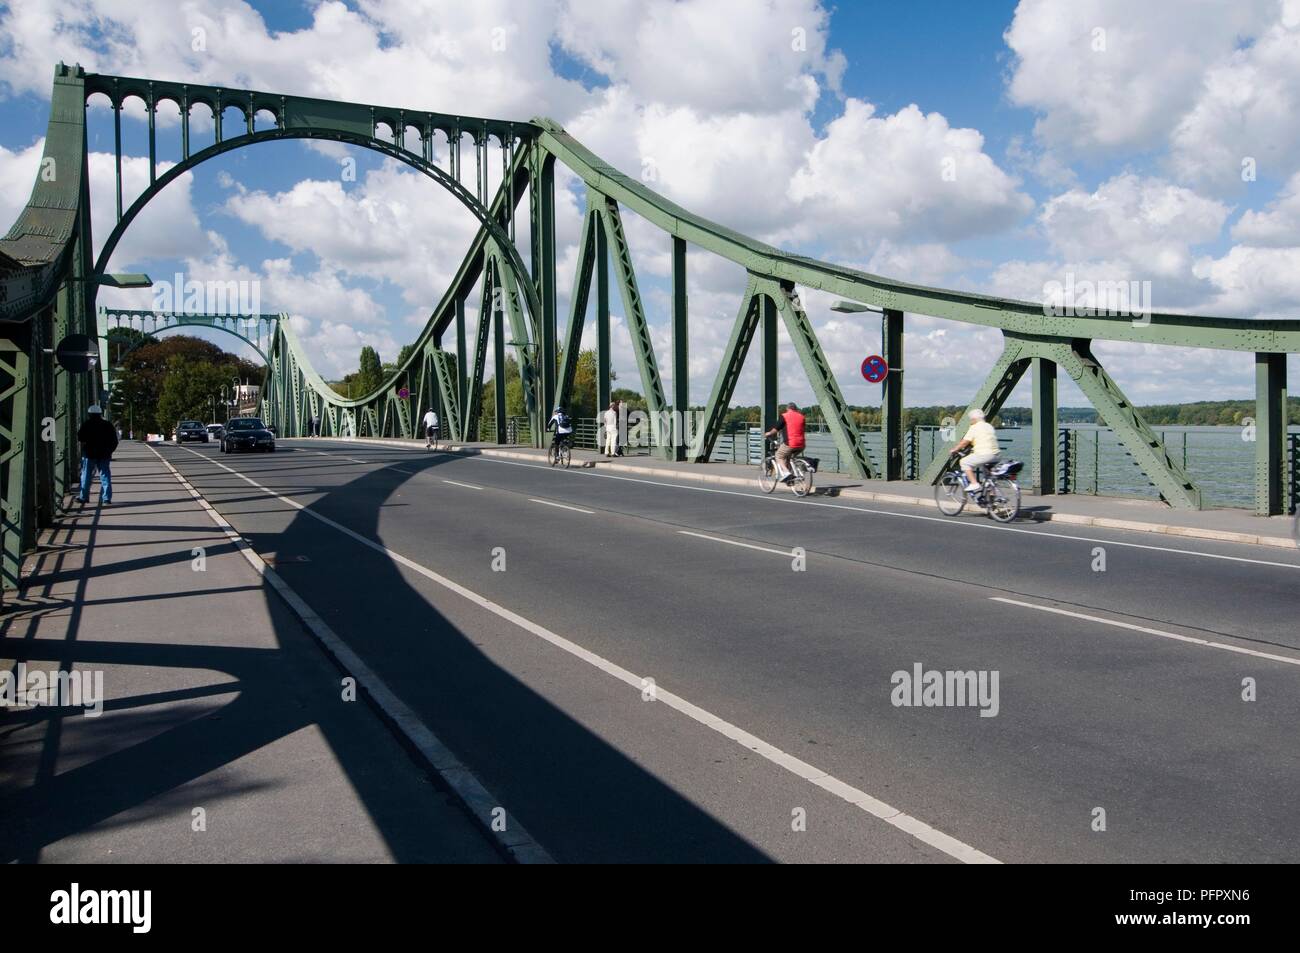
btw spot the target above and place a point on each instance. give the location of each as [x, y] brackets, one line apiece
[404, 393]
[875, 369]
[77, 353]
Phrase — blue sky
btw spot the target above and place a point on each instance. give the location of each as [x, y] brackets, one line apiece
[1118, 162]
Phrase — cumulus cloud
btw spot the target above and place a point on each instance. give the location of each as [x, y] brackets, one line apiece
[910, 174]
[1107, 74]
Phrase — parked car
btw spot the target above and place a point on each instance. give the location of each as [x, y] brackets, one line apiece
[188, 430]
[216, 431]
[247, 433]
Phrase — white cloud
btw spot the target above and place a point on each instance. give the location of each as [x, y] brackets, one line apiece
[717, 56]
[1113, 74]
[910, 175]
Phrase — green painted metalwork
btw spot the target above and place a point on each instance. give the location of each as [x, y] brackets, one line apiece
[1270, 434]
[891, 399]
[48, 248]
[578, 306]
[652, 387]
[1043, 460]
[681, 345]
[724, 385]
[838, 418]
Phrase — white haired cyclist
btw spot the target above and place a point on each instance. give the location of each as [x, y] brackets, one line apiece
[983, 441]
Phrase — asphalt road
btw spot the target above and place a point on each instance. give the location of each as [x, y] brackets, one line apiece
[772, 711]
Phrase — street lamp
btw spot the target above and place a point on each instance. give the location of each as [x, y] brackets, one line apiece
[854, 307]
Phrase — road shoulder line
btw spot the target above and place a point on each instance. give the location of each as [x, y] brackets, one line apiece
[517, 844]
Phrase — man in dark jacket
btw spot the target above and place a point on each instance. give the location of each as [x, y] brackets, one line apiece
[98, 441]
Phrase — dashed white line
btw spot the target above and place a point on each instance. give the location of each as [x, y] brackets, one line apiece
[468, 486]
[732, 542]
[1150, 631]
[563, 506]
[892, 816]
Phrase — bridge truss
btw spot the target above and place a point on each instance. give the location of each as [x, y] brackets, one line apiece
[48, 284]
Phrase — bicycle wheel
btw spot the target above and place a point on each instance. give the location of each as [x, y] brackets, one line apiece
[553, 455]
[949, 495]
[563, 456]
[767, 475]
[1004, 501]
[803, 478]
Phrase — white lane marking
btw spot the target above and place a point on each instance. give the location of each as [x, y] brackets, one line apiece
[876, 808]
[400, 470]
[949, 521]
[468, 486]
[440, 758]
[563, 506]
[1149, 631]
[732, 542]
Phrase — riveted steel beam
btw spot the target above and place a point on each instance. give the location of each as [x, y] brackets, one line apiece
[732, 363]
[834, 409]
[642, 346]
[993, 393]
[1043, 455]
[1271, 454]
[578, 306]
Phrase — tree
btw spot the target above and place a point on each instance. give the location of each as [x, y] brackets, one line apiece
[191, 389]
[144, 371]
[371, 372]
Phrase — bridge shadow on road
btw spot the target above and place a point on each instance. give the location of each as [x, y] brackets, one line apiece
[582, 798]
[199, 704]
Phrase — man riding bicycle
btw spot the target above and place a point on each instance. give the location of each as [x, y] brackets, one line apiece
[563, 427]
[983, 441]
[790, 426]
[430, 428]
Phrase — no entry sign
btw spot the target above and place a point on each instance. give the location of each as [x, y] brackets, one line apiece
[875, 369]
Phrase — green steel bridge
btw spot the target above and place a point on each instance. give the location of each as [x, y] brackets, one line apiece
[49, 279]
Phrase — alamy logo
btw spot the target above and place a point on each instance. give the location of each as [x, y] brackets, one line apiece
[935, 689]
[79, 689]
[103, 906]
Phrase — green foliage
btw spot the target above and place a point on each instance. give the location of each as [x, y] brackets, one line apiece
[371, 372]
[191, 390]
[138, 390]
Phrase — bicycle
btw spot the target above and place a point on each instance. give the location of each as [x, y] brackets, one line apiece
[560, 453]
[801, 467]
[431, 438]
[998, 492]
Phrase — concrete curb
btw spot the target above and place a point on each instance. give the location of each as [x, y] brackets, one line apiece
[517, 845]
[1072, 519]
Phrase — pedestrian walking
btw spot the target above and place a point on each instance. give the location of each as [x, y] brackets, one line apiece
[611, 429]
[98, 440]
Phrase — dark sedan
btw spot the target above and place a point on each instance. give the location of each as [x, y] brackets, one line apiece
[247, 433]
[191, 430]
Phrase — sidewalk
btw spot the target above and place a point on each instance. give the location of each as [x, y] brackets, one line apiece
[223, 737]
[1145, 516]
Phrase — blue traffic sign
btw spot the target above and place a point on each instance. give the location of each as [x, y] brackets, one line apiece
[874, 369]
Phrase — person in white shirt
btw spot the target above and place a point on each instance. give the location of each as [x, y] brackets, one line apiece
[983, 441]
[611, 429]
[430, 428]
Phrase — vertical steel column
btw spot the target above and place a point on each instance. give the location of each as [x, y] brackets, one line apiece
[499, 371]
[544, 241]
[185, 129]
[117, 151]
[767, 340]
[462, 368]
[681, 363]
[1270, 434]
[601, 266]
[891, 395]
[1043, 460]
[153, 146]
